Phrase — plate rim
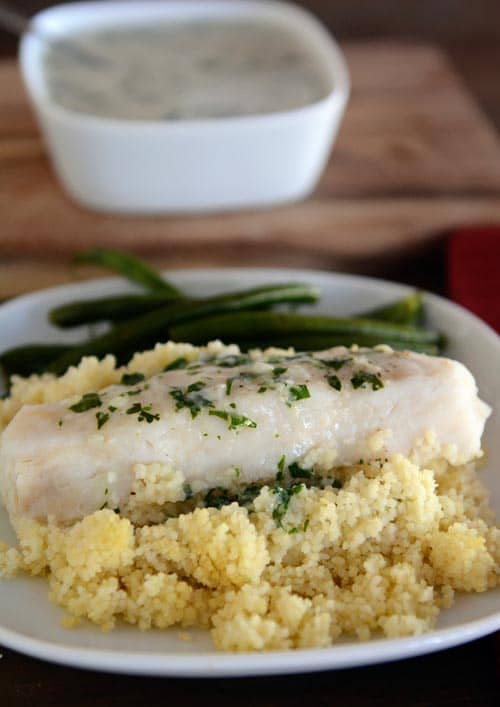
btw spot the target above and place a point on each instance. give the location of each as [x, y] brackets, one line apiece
[223, 664]
[247, 664]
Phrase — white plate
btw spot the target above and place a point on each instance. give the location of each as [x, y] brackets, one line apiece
[30, 624]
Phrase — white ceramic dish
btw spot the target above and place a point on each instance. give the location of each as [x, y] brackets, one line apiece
[30, 624]
[188, 165]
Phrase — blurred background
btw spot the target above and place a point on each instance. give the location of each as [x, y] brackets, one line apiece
[417, 157]
[468, 30]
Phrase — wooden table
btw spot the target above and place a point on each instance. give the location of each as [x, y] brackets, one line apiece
[415, 158]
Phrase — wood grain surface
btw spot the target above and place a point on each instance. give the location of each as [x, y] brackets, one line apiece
[415, 157]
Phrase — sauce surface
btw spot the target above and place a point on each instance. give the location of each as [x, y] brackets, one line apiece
[187, 70]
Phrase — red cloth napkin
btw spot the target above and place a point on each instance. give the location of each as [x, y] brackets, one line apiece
[474, 271]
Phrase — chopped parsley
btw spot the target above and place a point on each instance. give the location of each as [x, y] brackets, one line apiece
[335, 363]
[362, 378]
[132, 378]
[233, 419]
[217, 497]
[177, 363]
[298, 472]
[262, 389]
[144, 413]
[190, 398]
[278, 371]
[87, 402]
[298, 392]
[281, 468]
[249, 495]
[334, 381]
[232, 361]
[283, 501]
[229, 385]
[102, 418]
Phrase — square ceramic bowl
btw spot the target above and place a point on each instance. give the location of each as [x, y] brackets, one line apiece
[139, 166]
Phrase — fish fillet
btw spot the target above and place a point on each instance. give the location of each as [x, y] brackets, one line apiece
[252, 414]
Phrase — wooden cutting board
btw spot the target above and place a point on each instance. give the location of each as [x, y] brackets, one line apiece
[415, 157]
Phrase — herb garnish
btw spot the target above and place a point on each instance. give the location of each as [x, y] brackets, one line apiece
[87, 402]
[362, 378]
[298, 472]
[283, 501]
[334, 381]
[191, 398]
[102, 418]
[281, 468]
[232, 361]
[249, 495]
[234, 419]
[335, 363]
[132, 378]
[144, 411]
[177, 363]
[229, 385]
[278, 371]
[298, 392]
[217, 497]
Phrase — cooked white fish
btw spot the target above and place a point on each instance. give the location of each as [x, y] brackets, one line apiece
[255, 414]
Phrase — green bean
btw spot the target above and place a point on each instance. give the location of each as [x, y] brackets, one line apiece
[112, 309]
[135, 269]
[408, 310]
[32, 358]
[119, 308]
[272, 326]
[146, 330]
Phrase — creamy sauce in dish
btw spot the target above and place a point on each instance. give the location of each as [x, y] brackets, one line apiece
[188, 70]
